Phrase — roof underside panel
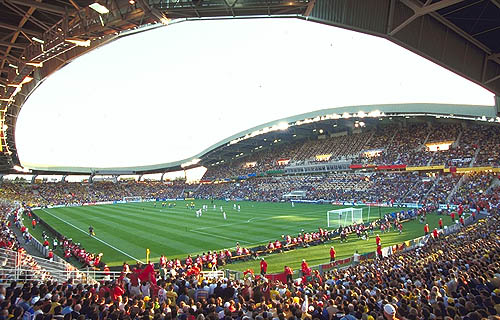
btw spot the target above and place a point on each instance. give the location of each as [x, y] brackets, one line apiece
[462, 36]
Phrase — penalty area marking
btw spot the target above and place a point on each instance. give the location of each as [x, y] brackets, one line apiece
[94, 237]
[252, 219]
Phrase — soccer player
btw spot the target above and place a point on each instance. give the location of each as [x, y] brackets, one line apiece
[239, 208]
[332, 254]
[224, 215]
[198, 213]
[221, 210]
[91, 231]
[33, 224]
[234, 206]
[263, 266]
[426, 229]
[293, 204]
[440, 223]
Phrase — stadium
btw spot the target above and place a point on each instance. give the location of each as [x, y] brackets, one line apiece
[265, 191]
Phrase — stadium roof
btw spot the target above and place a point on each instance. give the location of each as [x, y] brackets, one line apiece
[288, 129]
[39, 37]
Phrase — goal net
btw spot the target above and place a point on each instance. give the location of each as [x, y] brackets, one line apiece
[132, 199]
[344, 217]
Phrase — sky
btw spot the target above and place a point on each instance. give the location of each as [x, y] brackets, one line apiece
[167, 94]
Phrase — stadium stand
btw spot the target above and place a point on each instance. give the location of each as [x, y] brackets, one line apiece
[453, 276]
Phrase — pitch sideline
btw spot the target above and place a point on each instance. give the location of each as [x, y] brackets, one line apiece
[102, 241]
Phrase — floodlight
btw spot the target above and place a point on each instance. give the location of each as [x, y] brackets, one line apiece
[99, 8]
[79, 42]
[37, 40]
[26, 80]
[35, 64]
[282, 126]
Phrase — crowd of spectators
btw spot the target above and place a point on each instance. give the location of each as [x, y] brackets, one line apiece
[374, 187]
[69, 193]
[456, 276]
[384, 145]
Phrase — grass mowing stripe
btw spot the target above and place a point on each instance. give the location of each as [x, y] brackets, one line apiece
[131, 233]
[104, 242]
[219, 236]
[166, 230]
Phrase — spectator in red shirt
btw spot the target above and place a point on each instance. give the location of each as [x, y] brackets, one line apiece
[332, 254]
[263, 266]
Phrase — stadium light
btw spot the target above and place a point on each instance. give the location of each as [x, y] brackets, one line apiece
[21, 169]
[26, 80]
[282, 126]
[99, 8]
[165, 20]
[79, 42]
[37, 40]
[35, 64]
[361, 114]
[190, 163]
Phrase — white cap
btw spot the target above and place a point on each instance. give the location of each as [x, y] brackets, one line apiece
[389, 309]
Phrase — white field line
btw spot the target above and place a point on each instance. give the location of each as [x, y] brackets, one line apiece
[102, 241]
[252, 219]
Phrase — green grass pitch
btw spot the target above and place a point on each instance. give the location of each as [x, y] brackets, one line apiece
[124, 231]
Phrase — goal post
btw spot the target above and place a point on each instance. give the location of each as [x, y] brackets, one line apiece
[132, 199]
[344, 217]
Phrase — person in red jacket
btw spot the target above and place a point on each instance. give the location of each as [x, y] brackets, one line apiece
[440, 223]
[306, 271]
[50, 255]
[288, 273]
[263, 266]
[379, 252]
[117, 292]
[452, 215]
[377, 240]
[435, 234]
[462, 222]
[33, 224]
[426, 229]
[332, 254]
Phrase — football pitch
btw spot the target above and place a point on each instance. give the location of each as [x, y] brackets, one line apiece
[124, 231]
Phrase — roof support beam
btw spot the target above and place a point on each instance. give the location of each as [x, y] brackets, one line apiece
[15, 28]
[13, 45]
[41, 6]
[155, 12]
[462, 33]
[421, 11]
[497, 77]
